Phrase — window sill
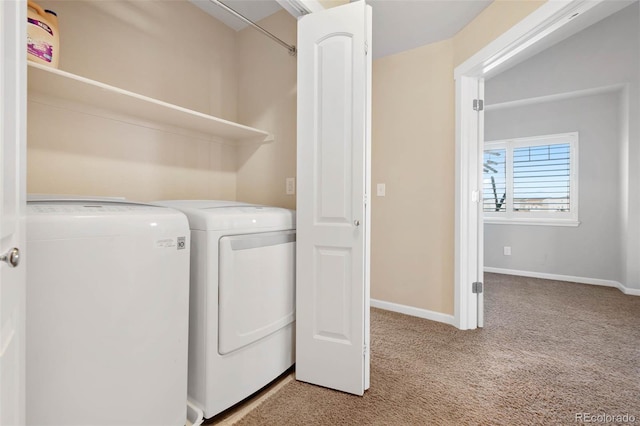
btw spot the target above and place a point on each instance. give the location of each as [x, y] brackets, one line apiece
[531, 221]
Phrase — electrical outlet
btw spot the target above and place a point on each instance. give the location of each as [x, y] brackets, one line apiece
[291, 186]
[381, 189]
[507, 251]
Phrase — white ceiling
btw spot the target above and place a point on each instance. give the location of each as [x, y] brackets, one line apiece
[398, 25]
[252, 9]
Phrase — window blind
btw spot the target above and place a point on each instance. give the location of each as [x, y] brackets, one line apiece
[542, 178]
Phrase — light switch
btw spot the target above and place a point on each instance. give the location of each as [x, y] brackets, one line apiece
[381, 190]
[291, 186]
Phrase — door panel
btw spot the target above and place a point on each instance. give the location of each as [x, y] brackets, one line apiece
[12, 199]
[332, 286]
[333, 82]
[332, 294]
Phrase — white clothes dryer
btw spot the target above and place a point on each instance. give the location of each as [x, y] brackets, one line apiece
[107, 313]
[242, 300]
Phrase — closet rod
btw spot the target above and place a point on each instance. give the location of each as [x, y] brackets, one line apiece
[290, 48]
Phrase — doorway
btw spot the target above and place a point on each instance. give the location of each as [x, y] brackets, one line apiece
[532, 35]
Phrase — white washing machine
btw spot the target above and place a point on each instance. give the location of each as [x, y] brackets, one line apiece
[242, 302]
[107, 313]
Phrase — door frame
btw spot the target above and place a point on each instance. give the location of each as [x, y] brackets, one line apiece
[490, 60]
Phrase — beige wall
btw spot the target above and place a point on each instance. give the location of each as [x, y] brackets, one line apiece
[169, 50]
[496, 19]
[172, 51]
[413, 154]
[267, 100]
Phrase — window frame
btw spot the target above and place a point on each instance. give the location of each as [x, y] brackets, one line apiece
[512, 217]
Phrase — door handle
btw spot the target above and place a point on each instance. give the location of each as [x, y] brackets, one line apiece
[356, 222]
[12, 257]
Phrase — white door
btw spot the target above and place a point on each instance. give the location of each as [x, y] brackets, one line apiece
[12, 198]
[332, 277]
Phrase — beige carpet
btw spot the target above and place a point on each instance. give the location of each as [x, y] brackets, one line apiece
[549, 350]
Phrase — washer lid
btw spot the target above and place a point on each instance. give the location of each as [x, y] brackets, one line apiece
[218, 214]
[72, 197]
[90, 218]
[89, 207]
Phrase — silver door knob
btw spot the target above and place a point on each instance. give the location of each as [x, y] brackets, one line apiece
[12, 257]
[356, 222]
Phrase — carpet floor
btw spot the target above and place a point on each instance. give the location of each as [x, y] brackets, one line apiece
[550, 350]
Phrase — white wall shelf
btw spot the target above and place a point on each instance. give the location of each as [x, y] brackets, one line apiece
[51, 83]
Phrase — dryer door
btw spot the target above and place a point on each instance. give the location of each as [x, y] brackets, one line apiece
[256, 290]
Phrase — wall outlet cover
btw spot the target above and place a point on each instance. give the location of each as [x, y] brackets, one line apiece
[290, 186]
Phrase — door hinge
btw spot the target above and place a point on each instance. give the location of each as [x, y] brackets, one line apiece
[366, 199]
[476, 287]
[478, 105]
[364, 351]
[366, 48]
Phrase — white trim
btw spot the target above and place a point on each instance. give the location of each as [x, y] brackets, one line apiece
[468, 187]
[629, 291]
[466, 183]
[581, 280]
[555, 97]
[531, 221]
[414, 312]
[531, 27]
[479, 214]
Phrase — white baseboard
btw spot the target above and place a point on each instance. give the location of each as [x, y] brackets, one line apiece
[414, 312]
[630, 291]
[581, 280]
